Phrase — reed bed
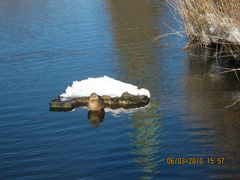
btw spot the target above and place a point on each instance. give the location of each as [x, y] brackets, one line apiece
[212, 22]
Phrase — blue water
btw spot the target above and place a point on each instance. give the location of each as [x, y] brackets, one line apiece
[45, 45]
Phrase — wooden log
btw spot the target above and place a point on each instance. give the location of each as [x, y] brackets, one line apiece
[126, 101]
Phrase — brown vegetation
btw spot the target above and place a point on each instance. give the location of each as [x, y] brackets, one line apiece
[210, 22]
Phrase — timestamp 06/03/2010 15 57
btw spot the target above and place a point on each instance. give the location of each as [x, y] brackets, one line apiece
[195, 160]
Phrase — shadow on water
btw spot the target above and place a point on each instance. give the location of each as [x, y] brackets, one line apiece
[208, 94]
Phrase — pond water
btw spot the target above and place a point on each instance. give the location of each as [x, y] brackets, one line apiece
[45, 45]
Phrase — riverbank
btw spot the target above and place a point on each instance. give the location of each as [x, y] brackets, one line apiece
[212, 23]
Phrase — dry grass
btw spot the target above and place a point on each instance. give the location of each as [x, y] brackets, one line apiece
[212, 22]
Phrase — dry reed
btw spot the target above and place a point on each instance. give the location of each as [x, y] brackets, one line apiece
[212, 22]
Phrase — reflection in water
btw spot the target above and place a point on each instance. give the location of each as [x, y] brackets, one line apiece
[146, 139]
[96, 117]
[208, 94]
[134, 28]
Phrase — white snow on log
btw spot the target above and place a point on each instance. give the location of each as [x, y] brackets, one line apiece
[102, 86]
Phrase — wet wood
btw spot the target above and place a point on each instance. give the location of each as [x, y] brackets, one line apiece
[125, 101]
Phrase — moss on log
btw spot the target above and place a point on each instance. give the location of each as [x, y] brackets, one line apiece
[126, 101]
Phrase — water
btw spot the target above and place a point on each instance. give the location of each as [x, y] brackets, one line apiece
[45, 45]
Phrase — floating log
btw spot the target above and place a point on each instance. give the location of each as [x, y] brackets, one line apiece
[126, 101]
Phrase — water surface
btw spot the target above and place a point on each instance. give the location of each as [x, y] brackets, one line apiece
[45, 45]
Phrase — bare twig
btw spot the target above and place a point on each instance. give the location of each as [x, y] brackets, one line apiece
[233, 104]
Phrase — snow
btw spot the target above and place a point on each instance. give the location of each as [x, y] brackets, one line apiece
[212, 29]
[234, 35]
[102, 86]
[218, 28]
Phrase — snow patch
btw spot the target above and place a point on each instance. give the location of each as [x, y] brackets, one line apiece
[212, 29]
[234, 35]
[102, 86]
[218, 28]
